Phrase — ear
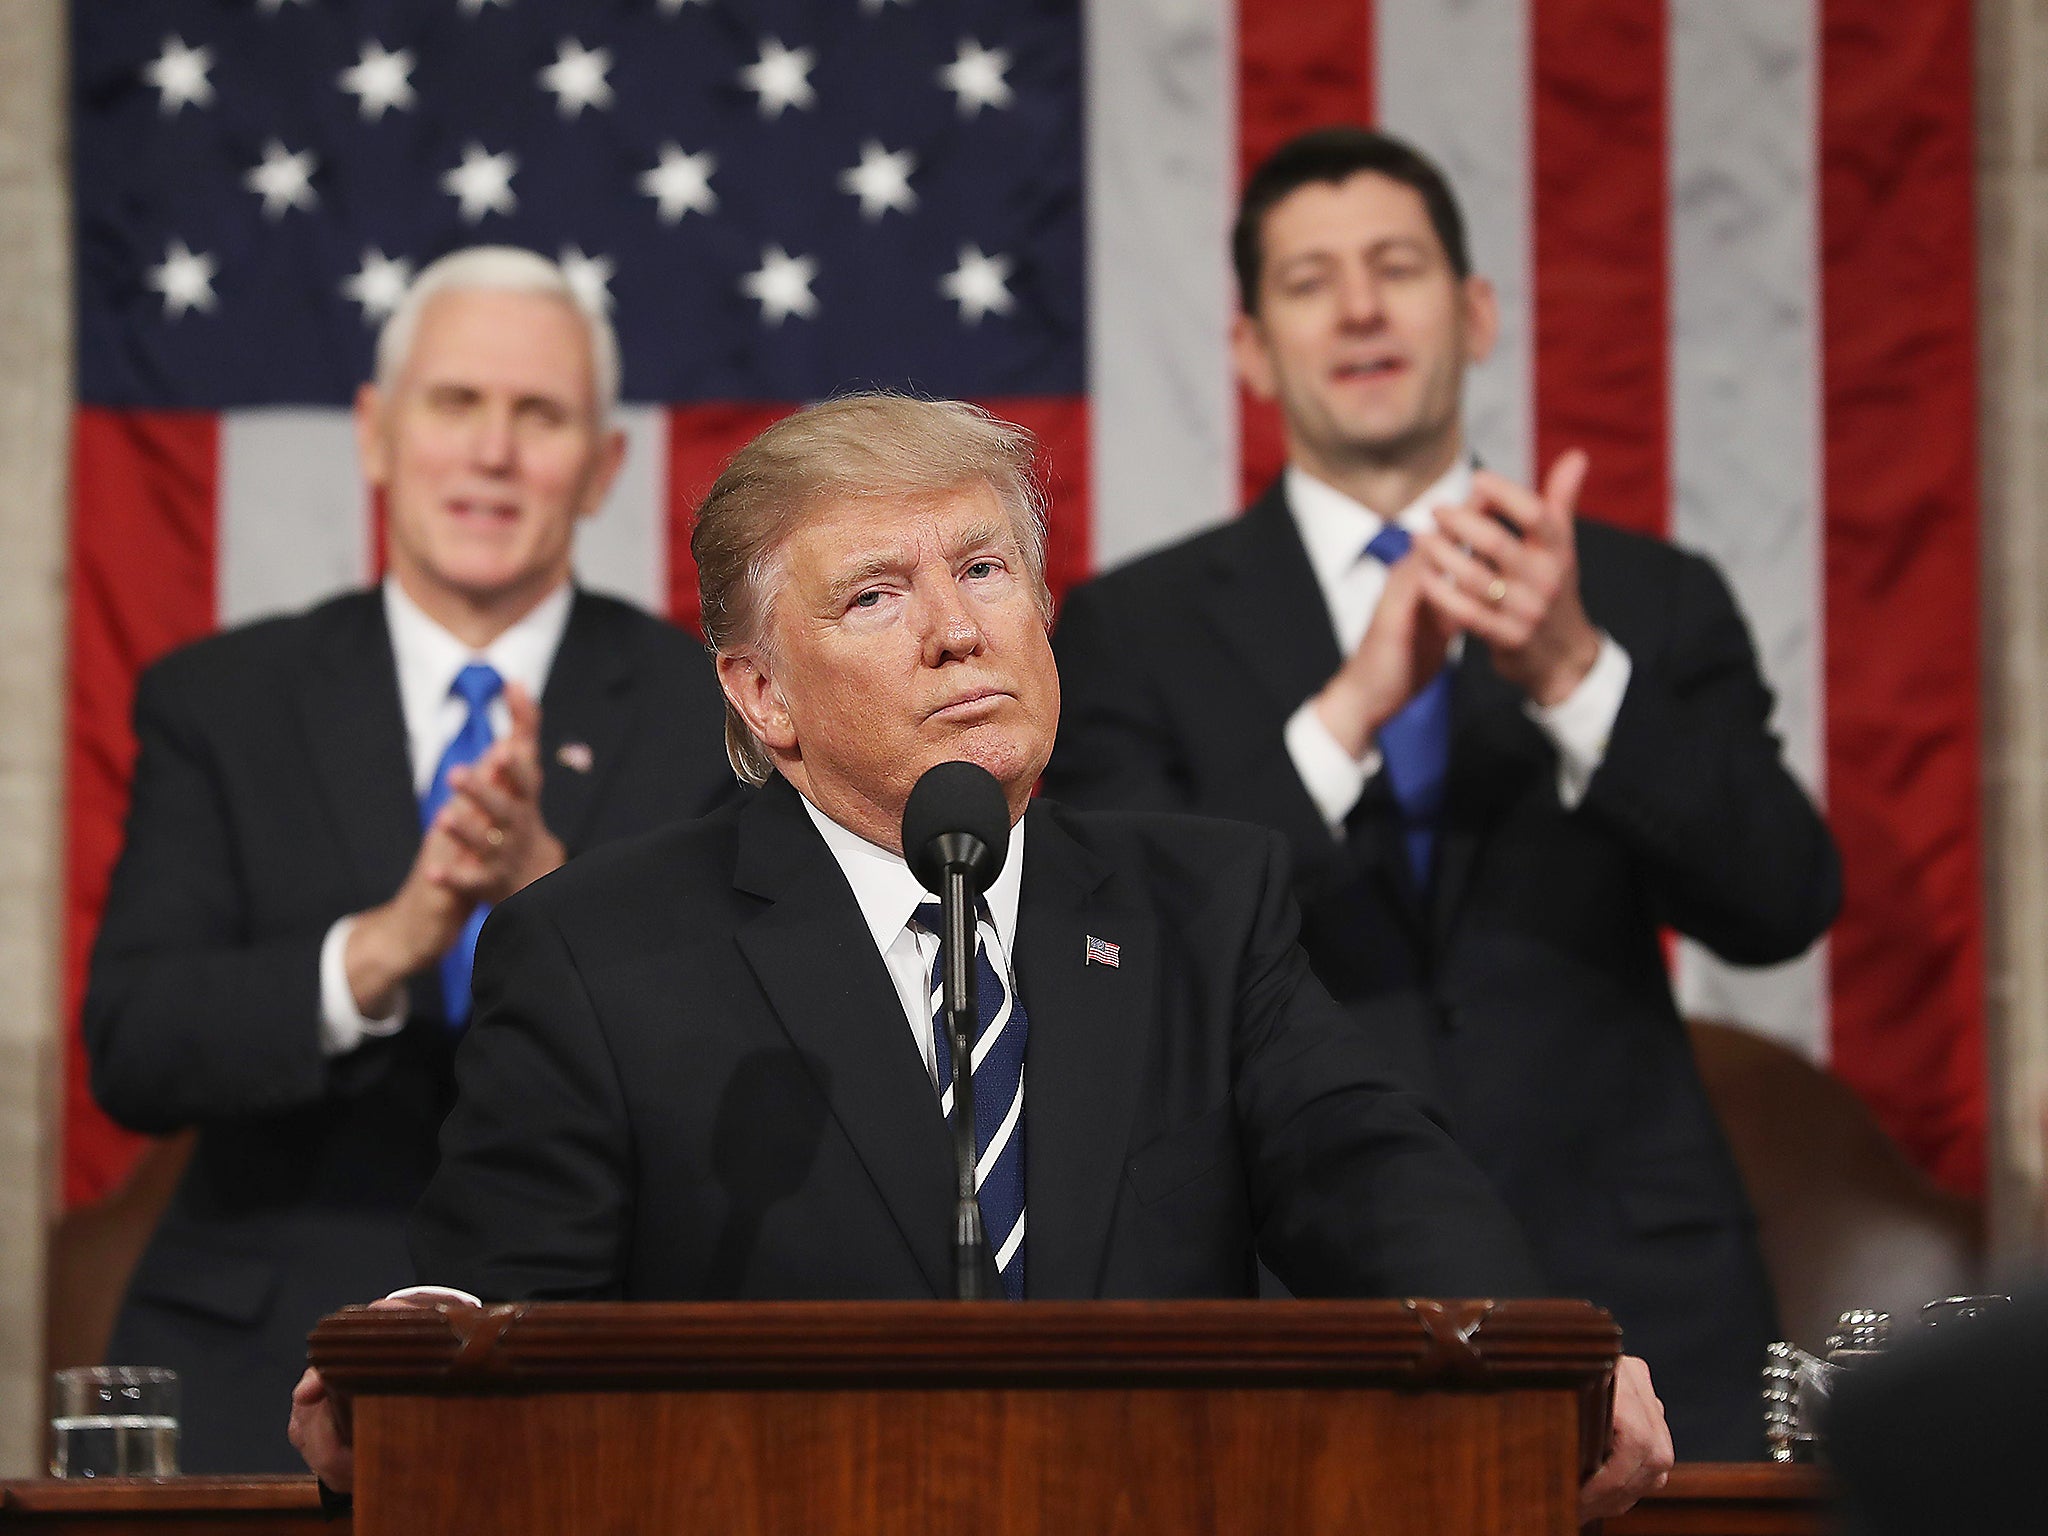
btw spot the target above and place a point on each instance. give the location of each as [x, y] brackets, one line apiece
[1254, 360]
[372, 453]
[750, 690]
[611, 454]
[1482, 318]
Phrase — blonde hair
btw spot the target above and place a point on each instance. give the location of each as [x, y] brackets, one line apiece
[861, 446]
[498, 269]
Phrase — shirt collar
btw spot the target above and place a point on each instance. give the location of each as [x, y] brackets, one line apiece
[429, 657]
[889, 894]
[1335, 528]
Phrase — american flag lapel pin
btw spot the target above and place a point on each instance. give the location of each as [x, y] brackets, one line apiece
[1102, 952]
[574, 756]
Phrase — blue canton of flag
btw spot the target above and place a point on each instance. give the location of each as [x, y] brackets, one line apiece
[775, 199]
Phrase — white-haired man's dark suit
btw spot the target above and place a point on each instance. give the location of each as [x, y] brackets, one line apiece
[273, 796]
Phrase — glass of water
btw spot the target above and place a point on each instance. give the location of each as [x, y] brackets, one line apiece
[114, 1421]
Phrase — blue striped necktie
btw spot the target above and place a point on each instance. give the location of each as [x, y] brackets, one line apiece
[1000, 1030]
[1416, 742]
[476, 685]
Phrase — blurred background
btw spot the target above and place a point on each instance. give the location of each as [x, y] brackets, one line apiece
[1779, 265]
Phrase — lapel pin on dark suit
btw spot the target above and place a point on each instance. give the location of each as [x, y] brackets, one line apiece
[574, 755]
[1102, 952]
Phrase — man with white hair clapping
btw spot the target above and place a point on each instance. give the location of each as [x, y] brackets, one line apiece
[325, 806]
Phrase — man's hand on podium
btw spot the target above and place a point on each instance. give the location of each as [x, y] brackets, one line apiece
[1640, 1458]
[317, 1434]
[319, 1428]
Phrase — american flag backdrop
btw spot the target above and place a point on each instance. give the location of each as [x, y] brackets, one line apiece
[1733, 241]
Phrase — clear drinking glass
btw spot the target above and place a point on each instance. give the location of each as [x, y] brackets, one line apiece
[114, 1421]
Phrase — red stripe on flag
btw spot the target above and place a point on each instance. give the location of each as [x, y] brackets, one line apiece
[1061, 427]
[1298, 67]
[700, 440]
[142, 582]
[1899, 380]
[1602, 289]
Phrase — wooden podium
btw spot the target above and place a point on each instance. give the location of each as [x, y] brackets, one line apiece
[1042, 1419]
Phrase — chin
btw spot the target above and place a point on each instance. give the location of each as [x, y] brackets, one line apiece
[486, 581]
[1015, 764]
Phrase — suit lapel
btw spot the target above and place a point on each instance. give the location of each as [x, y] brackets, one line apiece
[1271, 611]
[1089, 1026]
[816, 960]
[355, 725]
[588, 708]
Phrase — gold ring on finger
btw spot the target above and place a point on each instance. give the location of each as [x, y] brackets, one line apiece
[495, 837]
[1497, 591]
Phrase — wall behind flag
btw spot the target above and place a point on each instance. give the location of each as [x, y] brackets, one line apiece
[35, 374]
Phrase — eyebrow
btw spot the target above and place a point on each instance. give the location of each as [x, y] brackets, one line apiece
[979, 536]
[865, 571]
[889, 562]
[525, 399]
[1413, 244]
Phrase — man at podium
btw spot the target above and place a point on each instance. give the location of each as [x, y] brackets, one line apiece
[704, 1063]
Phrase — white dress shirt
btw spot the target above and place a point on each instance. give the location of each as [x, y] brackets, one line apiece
[428, 659]
[1335, 530]
[888, 895]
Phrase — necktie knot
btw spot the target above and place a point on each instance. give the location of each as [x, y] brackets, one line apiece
[477, 684]
[930, 915]
[1389, 544]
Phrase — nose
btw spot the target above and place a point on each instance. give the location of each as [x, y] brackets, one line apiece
[492, 441]
[1358, 297]
[951, 632]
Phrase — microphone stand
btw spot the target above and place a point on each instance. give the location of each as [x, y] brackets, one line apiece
[957, 948]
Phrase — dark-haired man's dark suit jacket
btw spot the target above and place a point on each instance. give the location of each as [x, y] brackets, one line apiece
[690, 1077]
[273, 794]
[1537, 1005]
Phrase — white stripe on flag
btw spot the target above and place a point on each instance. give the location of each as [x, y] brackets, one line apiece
[623, 549]
[1453, 79]
[293, 520]
[1745, 397]
[1161, 157]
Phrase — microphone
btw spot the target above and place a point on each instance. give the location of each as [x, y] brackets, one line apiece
[956, 835]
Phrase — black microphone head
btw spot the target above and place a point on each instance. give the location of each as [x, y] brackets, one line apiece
[956, 815]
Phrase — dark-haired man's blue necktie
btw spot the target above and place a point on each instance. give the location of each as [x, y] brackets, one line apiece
[1416, 743]
[1000, 1029]
[476, 685]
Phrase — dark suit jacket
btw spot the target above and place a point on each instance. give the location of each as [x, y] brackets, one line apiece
[272, 795]
[690, 1077]
[1534, 999]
